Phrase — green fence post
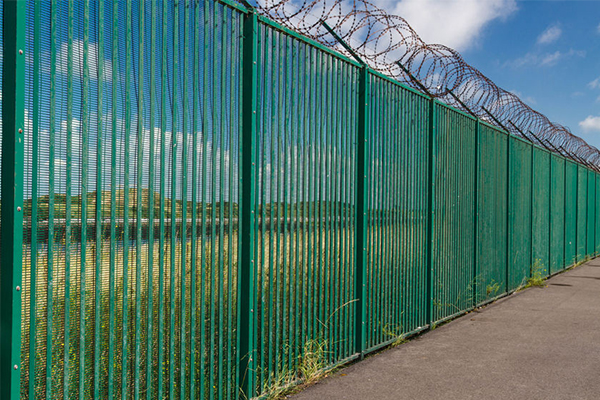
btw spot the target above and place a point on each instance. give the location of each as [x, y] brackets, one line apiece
[564, 264]
[430, 212]
[508, 248]
[360, 289]
[549, 267]
[13, 103]
[248, 177]
[476, 211]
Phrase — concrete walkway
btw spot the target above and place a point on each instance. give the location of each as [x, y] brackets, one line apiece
[541, 343]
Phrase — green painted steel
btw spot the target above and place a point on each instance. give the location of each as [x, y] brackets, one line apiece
[597, 222]
[557, 214]
[245, 281]
[519, 217]
[453, 214]
[570, 213]
[214, 206]
[397, 212]
[492, 214]
[591, 213]
[582, 212]
[306, 158]
[13, 17]
[541, 211]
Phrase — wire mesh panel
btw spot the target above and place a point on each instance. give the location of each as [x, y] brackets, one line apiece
[133, 132]
[397, 156]
[571, 203]
[305, 233]
[591, 213]
[582, 220]
[520, 212]
[453, 213]
[131, 200]
[541, 211]
[491, 275]
[557, 214]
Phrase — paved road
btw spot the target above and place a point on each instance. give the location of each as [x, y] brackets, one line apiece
[541, 343]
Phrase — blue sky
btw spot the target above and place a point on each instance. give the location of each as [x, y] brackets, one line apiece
[547, 52]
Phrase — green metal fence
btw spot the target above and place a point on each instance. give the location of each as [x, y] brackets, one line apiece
[200, 203]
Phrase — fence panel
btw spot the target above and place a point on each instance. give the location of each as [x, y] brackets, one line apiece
[397, 211]
[582, 220]
[305, 242]
[131, 244]
[453, 213]
[571, 204]
[541, 210]
[591, 213]
[491, 277]
[131, 233]
[557, 214]
[520, 212]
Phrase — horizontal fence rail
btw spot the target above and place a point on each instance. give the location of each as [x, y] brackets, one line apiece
[200, 203]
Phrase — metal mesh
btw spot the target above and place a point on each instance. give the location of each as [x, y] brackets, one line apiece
[305, 200]
[520, 212]
[492, 192]
[453, 262]
[397, 154]
[557, 214]
[541, 211]
[132, 183]
[135, 120]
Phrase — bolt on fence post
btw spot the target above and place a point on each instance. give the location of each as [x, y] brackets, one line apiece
[430, 211]
[360, 289]
[13, 93]
[246, 271]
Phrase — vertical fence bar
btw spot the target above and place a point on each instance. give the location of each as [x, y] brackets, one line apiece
[361, 214]
[508, 249]
[248, 177]
[549, 268]
[13, 103]
[564, 265]
[430, 211]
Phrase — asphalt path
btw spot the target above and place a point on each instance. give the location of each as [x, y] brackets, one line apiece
[539, 343]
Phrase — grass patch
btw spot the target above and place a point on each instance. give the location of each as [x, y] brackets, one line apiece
[538, 275]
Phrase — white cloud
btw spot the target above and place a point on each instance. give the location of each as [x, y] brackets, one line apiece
[598, 28]
[454, 23]
[551, 34]
[544, 60]
[595, 84]
[590, 124]
[62, 58]
[551, 59]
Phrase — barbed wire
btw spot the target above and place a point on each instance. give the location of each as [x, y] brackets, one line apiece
[387, 43]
